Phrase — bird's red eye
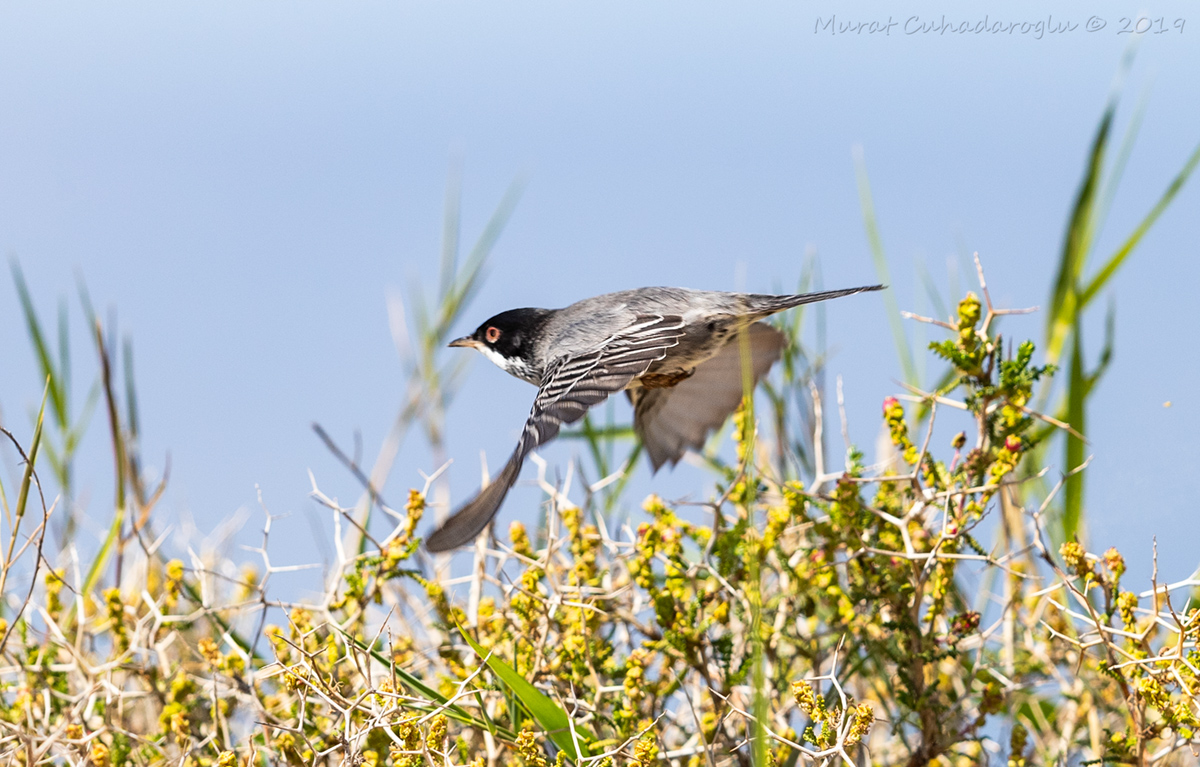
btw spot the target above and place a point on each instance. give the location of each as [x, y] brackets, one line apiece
[492, 335]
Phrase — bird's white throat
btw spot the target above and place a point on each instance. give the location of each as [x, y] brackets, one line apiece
[511, 365]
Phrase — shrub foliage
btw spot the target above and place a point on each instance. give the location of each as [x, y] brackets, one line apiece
[912, 612]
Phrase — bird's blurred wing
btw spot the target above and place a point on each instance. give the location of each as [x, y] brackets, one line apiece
[572, 384]
[671, 420]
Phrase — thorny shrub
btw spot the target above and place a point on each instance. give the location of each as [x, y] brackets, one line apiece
[824, 623]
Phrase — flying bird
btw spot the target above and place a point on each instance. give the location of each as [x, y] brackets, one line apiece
[674, 352]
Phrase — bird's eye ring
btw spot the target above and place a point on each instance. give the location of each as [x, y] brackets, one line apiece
[492, 335]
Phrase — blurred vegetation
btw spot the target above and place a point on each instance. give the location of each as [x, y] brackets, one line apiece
[1072, 294]
[814, 610]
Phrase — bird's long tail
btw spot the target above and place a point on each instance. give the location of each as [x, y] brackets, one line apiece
[466, 523]
[762, 305]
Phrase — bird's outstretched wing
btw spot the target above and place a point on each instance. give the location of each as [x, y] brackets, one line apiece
[672, 419]
[571, 385]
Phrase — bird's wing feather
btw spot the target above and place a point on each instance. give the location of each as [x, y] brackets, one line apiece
[571, 385]
[671, 420]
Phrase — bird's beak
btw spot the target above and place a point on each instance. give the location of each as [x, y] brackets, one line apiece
[464, 341]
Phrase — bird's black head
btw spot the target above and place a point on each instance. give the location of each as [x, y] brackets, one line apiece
[510, 339]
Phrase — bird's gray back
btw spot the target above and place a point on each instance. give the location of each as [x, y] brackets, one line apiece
[588, 323]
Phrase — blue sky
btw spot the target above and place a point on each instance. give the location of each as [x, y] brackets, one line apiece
[245, 182]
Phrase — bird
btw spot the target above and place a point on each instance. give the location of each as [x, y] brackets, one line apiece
[674, 351]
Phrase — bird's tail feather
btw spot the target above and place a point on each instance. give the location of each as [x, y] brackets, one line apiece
[763, 305]
[466, 523]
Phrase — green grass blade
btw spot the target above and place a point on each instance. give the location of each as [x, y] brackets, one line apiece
[899, 338]
[931, 292]
[57, 391]
[1112, 181]
[617, 489]
[6, 565]
[761, 701]
[27, 475]
[548, 714]
[131, 401]
[64, 353]
[593, 437]
[1116, 259]
[57, 462]
[76, 432]
[1106, 354]
[227, 629]
[85, 301]
[101, 557]
[1076, 399]
[414, 683]
[468, 280]
[1064, 307]
[600, 432]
